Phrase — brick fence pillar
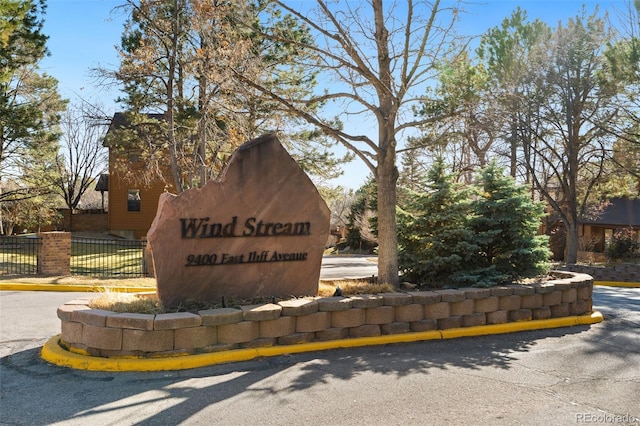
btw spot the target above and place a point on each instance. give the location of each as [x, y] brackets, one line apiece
[54, 253]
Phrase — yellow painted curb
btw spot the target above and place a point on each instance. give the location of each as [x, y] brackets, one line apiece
[73, 288]
[122, 289]
[617, 284]
[511, 327]
[55, 354]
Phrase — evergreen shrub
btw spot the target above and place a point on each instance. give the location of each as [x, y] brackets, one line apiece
[482, 236]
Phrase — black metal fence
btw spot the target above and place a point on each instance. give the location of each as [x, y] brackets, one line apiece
[19, 255]
[108, 257]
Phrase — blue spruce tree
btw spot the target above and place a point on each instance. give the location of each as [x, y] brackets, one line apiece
[505, 225]
[435, 242]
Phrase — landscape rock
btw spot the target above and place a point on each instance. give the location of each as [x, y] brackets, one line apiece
[258, 231]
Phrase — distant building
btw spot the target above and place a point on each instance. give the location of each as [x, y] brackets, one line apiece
[132, 205]
[594, 233]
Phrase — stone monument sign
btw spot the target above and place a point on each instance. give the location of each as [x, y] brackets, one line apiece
[258, 231]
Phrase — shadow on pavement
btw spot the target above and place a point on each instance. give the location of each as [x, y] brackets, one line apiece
[41, 393]
[618, 334]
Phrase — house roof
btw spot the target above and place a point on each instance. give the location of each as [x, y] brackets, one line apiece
[619, 212]
[103, 183]
[120, 119]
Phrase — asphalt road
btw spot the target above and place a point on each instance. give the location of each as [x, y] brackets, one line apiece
[568, 376]
[338, 267]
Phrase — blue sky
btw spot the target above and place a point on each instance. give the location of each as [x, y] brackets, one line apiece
[83, 33]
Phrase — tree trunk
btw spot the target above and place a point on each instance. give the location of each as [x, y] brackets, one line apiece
[571, 255]
[387, 176]
[573, 165]
[170, 113]
[202, 122]
[571, 252]
[386, 170]
[513, 139]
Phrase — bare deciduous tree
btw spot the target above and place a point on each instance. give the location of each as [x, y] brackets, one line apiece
[81, 157]
[577, 107]
[376, 61]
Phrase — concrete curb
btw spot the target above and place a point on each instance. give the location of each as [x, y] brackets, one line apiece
[73, 288]
[52, 351]
[616, 284]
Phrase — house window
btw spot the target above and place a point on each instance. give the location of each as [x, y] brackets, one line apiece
[133, 200]
[608, 235]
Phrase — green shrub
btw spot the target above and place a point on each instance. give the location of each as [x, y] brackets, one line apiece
[624, 245]
[485, 236]
[506, 223]
[434, 241]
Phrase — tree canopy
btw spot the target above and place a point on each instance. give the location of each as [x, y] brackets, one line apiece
[179, 60]
[554, 104]
[30, 105]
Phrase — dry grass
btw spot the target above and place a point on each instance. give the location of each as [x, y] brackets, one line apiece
[351, 287]
[143, 304]
[127, 302]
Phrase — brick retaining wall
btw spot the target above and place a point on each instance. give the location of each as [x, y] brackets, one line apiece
[623, 272]
[109, 334]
